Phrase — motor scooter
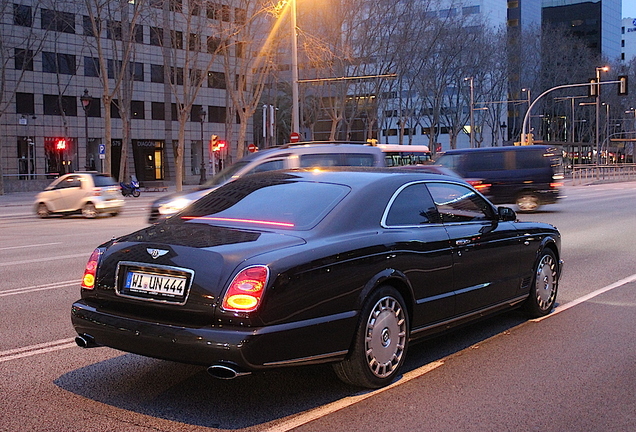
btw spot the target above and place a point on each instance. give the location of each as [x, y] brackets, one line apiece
[132, 188]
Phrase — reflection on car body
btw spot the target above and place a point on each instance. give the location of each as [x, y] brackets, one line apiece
[347, 267]
[299, 155]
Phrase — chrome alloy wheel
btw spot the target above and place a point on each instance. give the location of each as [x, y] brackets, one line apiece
[546, 283]
[385, 337]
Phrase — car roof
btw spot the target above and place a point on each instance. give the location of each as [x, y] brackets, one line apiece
[313, 147]
[499, 149]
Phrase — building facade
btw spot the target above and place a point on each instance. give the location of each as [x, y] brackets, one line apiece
[628, 39]
[53, 113]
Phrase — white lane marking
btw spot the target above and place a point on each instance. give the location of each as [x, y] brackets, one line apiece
[39, 288]
[587, 297]
[332, 407]
[49, 258]
[29, 246]
[32, 350]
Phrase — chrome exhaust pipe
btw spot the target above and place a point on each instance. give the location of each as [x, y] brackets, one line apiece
[225, 372]
[85, 341]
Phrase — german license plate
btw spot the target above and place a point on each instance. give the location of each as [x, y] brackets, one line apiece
[154, 284]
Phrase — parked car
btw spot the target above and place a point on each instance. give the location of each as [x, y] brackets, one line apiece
[529, 176]
[322, 154]
[88, 193]
[315, 265]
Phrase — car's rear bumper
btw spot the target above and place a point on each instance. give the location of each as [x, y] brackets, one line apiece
[308, 342]
[109, 205]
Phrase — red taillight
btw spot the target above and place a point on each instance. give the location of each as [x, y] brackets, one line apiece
[556, 185]
[90, 271]
[479, 185]
[246, 290]
[97, 191]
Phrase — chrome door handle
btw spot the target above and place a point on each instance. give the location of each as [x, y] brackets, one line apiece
[462, 242]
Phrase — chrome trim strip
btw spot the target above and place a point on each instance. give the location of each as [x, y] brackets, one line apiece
[307, 359]
[511, 303]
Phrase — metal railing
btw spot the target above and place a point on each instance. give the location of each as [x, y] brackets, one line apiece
[587, 174]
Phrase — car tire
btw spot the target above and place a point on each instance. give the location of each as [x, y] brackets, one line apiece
[528, 202]
[543, 290]
[380, 342]
[89, 211]
[43, 211]
[115, 213]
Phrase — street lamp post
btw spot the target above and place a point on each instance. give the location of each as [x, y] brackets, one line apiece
[202, 115]
[294, 48]
[598, 108]
[471, 81]
[86, 100]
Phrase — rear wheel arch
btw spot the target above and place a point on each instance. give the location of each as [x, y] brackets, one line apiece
[394, 279]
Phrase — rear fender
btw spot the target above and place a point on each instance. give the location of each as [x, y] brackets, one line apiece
[392, 277]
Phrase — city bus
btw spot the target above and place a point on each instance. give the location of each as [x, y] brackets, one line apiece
[401, 155]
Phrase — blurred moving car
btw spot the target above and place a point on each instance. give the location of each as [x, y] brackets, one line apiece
[306, 266]
[529, 176]
[298, 155]
[88, 193]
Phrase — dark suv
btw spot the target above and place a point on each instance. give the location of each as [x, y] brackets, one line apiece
[528, 176]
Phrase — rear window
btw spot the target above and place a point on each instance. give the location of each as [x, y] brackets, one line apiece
[337, 159]
[103, 180]
[278, 203]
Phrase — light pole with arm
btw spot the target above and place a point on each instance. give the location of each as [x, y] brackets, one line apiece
[598, 108]
[471, 82]
[86, 100]
[202, 115]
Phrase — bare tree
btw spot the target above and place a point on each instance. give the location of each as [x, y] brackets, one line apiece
[118, 19]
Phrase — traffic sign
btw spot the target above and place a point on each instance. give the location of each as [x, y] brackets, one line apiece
[102, 149]
[252, 148]
[294, 137]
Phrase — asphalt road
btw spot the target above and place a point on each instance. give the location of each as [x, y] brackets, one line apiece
[573, 371]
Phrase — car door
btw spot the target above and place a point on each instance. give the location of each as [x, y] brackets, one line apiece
[486, 251]
[74, 192]
[421, 251]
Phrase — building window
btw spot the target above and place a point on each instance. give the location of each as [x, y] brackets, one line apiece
[23, 59]
[158, 111]
[470, 10]
[25, 103]
[91, 67]
[87, 26]
[22, 15]
[139, 33]
[58, 63]
[217, 114]
[137, 71]
[114, 109]
[213, 10]
[58, 21]
[194, 42]
[213, 44]
[156, 36]
[156, 73]
[58, 105]
[137, 110]
[176, 75]
[216, 80]
[240, 16]
[176, 39]
[176, 6]
[173, 112]
[113, 30]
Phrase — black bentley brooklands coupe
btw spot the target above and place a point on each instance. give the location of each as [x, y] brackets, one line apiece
[285, 268]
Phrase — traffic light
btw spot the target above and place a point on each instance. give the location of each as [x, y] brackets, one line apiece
[214, 140]
[221, 145]
[60, 144]
[592, 90]
[623, 88]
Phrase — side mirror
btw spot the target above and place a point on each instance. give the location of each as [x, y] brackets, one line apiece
[506, 214]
